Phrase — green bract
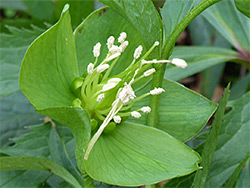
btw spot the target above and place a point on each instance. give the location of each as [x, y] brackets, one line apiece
[69, 85]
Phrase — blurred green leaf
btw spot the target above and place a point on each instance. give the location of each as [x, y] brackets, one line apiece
[15, 113]
[239, 88]
[198, 59]
[42, 10]
[79, 9]
[180, 182]
[12, 49]
[136, 155]
[232, 25]
[172, 13]
[182, 112]
[211, 142]
[243, 6]
[13, 4]
[33, 163]
[233, 145]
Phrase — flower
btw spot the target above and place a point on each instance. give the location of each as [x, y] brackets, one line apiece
[146, 109]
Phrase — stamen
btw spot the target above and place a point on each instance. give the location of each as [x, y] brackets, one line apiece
[157, 91]
[115, 49]
[112, 57]
[124, 45]
[137, 52]
[114, 80]
[100, 98]
[96, 50]
[126, 94]
[179, 63]
[155, 61]
[102, 68]
[117, 119]
[135, 114]
[122, 37]
[108, 86]
[149, 72]
[90, 68]
[146, 109]
[110, 42]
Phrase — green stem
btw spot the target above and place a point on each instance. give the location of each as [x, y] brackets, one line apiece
[167, 50]
[88, 181]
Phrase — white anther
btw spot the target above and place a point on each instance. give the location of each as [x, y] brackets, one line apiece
[149, 72]
[179, 63]
[137, 52]
[157, 91]
[135, 114]
[110, 41]
[102, 68]
[96, 50]
[115, 49]
[100, 98]
[117, 119]
[90, 68]
[113, 57]
[122, 37]
[157, 43]
[146, 109]
[124, 45]
[114, 80]
[126, 94]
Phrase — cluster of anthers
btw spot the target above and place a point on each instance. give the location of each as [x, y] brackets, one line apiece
[109, 99]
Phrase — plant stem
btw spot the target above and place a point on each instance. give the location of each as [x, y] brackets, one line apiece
[88, 181]
[167, 50]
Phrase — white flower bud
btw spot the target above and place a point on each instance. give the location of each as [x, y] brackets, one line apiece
[146, 109]
[110, 41]
[179, 63]
[135, 114]
[102, 68]
[157, 91]
[100, 98]
[122, 37]
[114, 80]
[137, 52]
[96, 50]
[149, 72]
[90, 68]
[124, 45]
[117, 119]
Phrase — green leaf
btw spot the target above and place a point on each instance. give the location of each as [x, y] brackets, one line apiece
[32, 163]
[244, 180]
[234, 133]
[42, 10]
[172, 13]
[78, 121]
[12, 50]
[49, 66]
[211, 142]
[182, 112]
[15, 113]
[198, 59]
[243, 6]
[234, 177]
[78, 9]
[180, 182]
[13, 4]
[28, 178]
[141, 15]
[240, 87]
[89, 33]
[136, 155]
[232, 25]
